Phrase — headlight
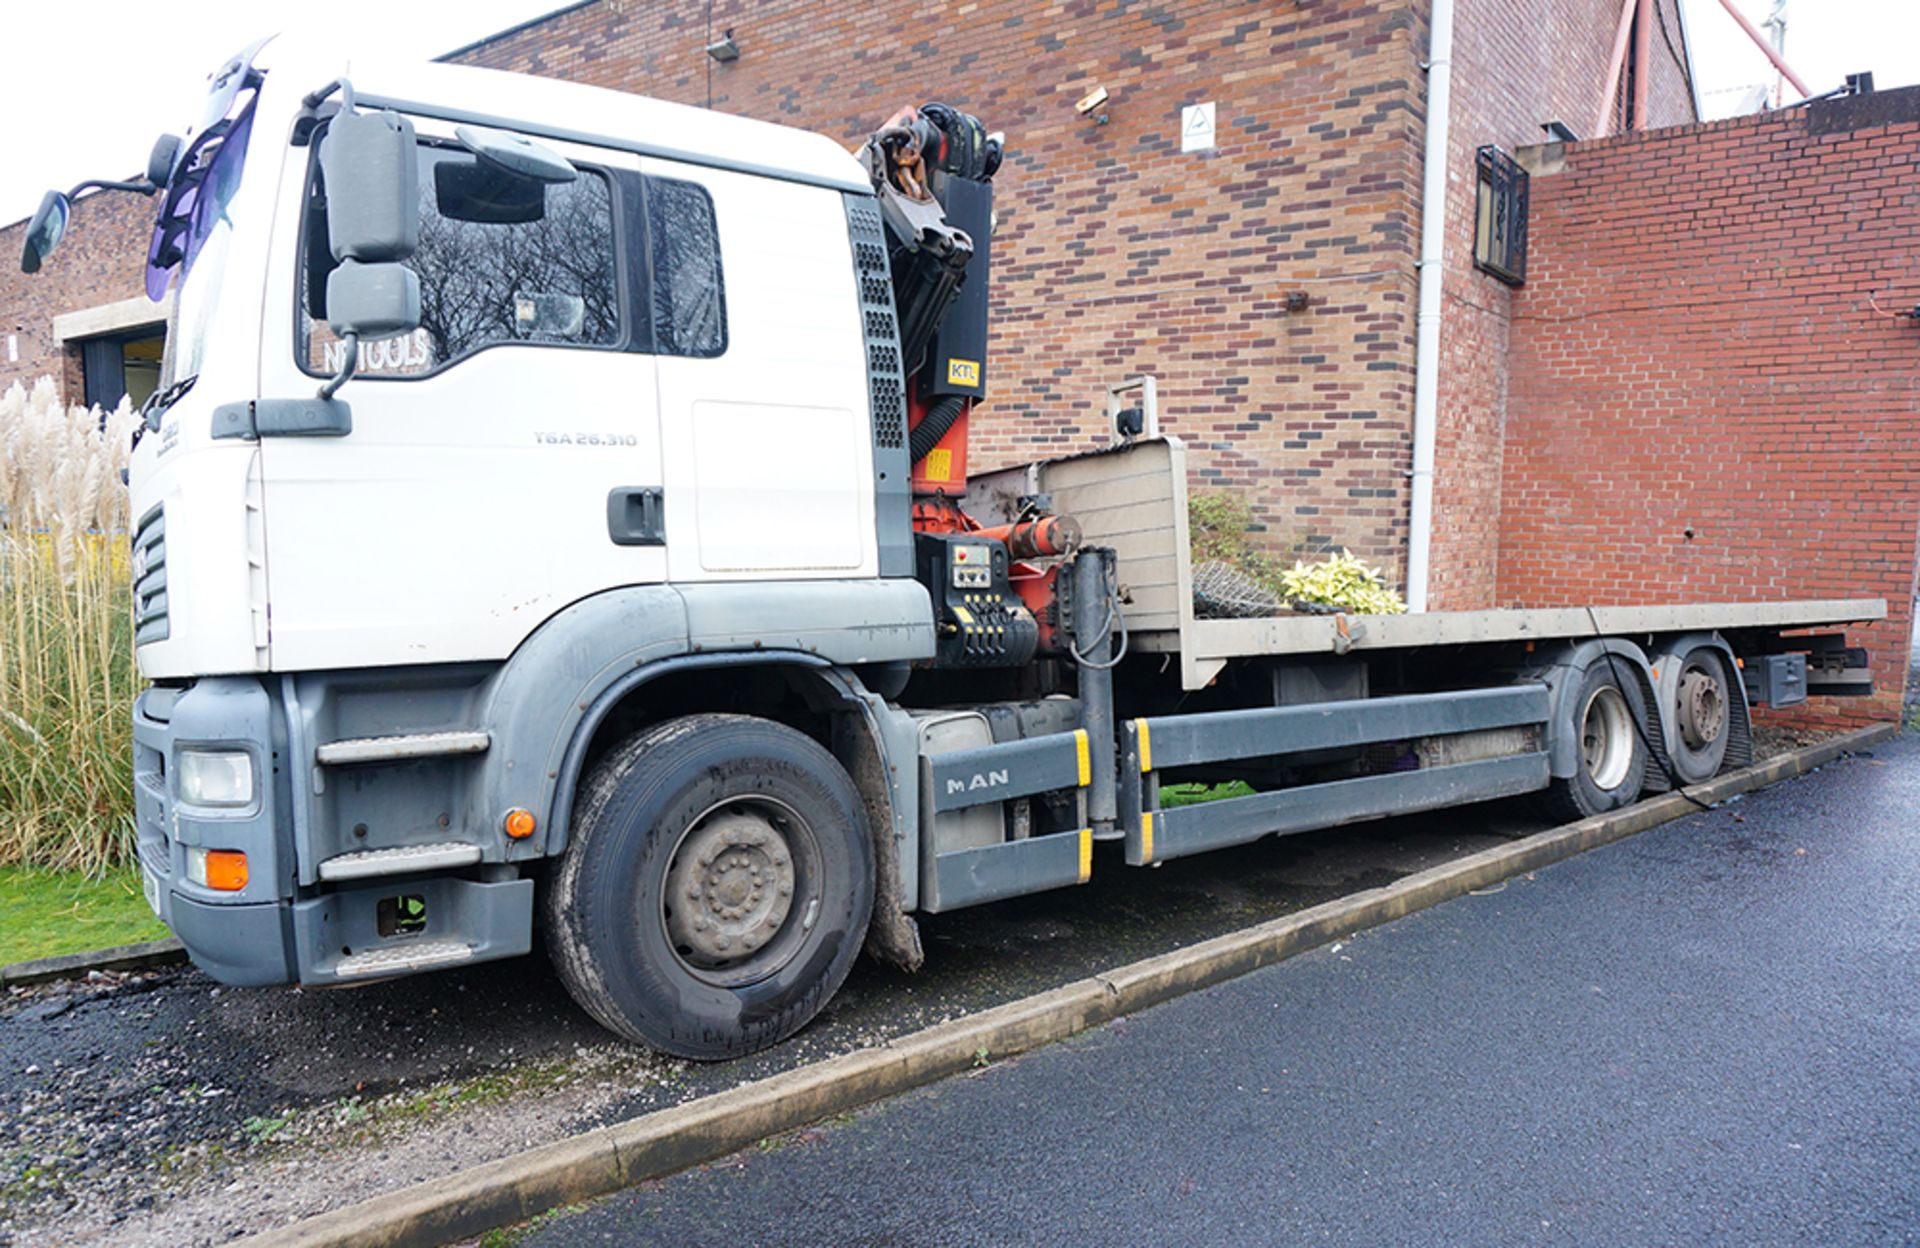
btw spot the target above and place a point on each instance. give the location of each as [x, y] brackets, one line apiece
[216, 777]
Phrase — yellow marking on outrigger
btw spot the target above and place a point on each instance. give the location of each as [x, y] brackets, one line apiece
[1084, 756]
[1146, 745]
[1086, 854]
[1146, 836]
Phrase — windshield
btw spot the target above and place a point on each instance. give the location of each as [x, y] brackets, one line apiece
[191, 234]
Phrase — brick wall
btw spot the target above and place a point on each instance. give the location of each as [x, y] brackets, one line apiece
[102, 259]
[1705, 403]
[1118, 254]
[1512, 73]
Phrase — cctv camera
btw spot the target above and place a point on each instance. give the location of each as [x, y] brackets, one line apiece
[1092, 100]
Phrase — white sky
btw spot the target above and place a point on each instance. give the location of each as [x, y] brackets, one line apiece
[89, 84]
[1826, 41]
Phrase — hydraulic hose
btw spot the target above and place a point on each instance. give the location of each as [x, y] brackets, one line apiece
[934, 425]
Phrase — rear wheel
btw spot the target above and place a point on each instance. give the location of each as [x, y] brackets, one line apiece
[716, 888]
[1607, 718]
[1702, 713]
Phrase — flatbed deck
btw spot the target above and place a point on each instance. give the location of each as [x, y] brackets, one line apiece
[1134, 499]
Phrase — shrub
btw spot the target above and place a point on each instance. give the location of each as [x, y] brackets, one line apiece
[67, 676]
[1341, 581]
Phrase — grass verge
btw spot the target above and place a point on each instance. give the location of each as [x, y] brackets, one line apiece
[44, 914]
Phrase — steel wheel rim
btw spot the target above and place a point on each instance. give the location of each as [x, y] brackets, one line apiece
[1702, 704]
[741, 891]
[1606, 738]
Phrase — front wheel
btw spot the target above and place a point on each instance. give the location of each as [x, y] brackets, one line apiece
[716, 888]
[1608, 715]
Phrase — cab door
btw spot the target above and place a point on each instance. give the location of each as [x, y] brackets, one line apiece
[765, 435]
[503, 458]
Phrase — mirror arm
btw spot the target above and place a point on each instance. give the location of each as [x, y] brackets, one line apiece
[139, 186]
[313, 99]
[347, 364]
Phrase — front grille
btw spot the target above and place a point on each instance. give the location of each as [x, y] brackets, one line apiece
[150, 577]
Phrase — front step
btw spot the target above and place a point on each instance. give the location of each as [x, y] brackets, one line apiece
[399, 748]
[401, 860]
[403, 959]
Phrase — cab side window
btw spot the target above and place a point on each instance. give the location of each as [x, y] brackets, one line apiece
[689, 294]
[502, 259]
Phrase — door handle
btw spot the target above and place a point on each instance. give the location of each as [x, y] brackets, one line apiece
[637, 515]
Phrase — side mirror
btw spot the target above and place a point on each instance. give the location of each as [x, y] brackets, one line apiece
[370, 166]
[372, 171]
[367, 302]
[45, 230]
[163, 157]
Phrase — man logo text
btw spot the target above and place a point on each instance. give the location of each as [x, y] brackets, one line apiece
[986, 780]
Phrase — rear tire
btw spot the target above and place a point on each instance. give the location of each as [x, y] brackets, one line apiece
[1702, 714]
[1606, 717]
[716, 887]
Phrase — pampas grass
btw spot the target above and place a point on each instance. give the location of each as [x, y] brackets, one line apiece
[67, 677]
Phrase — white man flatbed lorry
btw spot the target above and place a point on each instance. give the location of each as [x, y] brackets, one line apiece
[555, 513]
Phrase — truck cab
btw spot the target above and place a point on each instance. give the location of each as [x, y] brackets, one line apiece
[666, 337]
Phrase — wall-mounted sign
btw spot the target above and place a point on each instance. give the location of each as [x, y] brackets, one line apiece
[1196, 127]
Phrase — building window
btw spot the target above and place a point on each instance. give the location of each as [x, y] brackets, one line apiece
[1500, 216]
[122, 365]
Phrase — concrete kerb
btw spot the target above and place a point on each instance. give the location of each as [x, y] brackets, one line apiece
[515, 1188]
[140, 957]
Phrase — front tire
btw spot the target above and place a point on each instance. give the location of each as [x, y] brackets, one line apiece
[1607, 718]
[716, 888]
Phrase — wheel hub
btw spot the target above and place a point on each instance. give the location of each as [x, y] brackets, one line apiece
[729, 889]
[1703, 708]
[1606, 738]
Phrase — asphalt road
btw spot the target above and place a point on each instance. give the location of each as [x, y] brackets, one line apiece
[1707, 1034]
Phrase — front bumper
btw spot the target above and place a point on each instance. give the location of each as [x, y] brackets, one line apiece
[275, 930]
[240, 937]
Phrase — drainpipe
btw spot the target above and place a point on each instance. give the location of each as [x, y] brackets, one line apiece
[1426, 360]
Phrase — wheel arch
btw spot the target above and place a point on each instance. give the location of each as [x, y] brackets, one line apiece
[851, 722]
[1562, 671]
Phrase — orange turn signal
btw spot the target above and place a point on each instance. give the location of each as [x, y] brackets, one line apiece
[226, 870]
[520, 824]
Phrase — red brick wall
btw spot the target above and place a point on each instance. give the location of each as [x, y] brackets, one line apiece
[102, 259]
[1704, 402]
[1513, 71]
[1117, 254]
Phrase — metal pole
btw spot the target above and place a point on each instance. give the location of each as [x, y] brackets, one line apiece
[1094, 606]
[1433, 267]
[1603, 120]
[1642, 62]
[1760, 41]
